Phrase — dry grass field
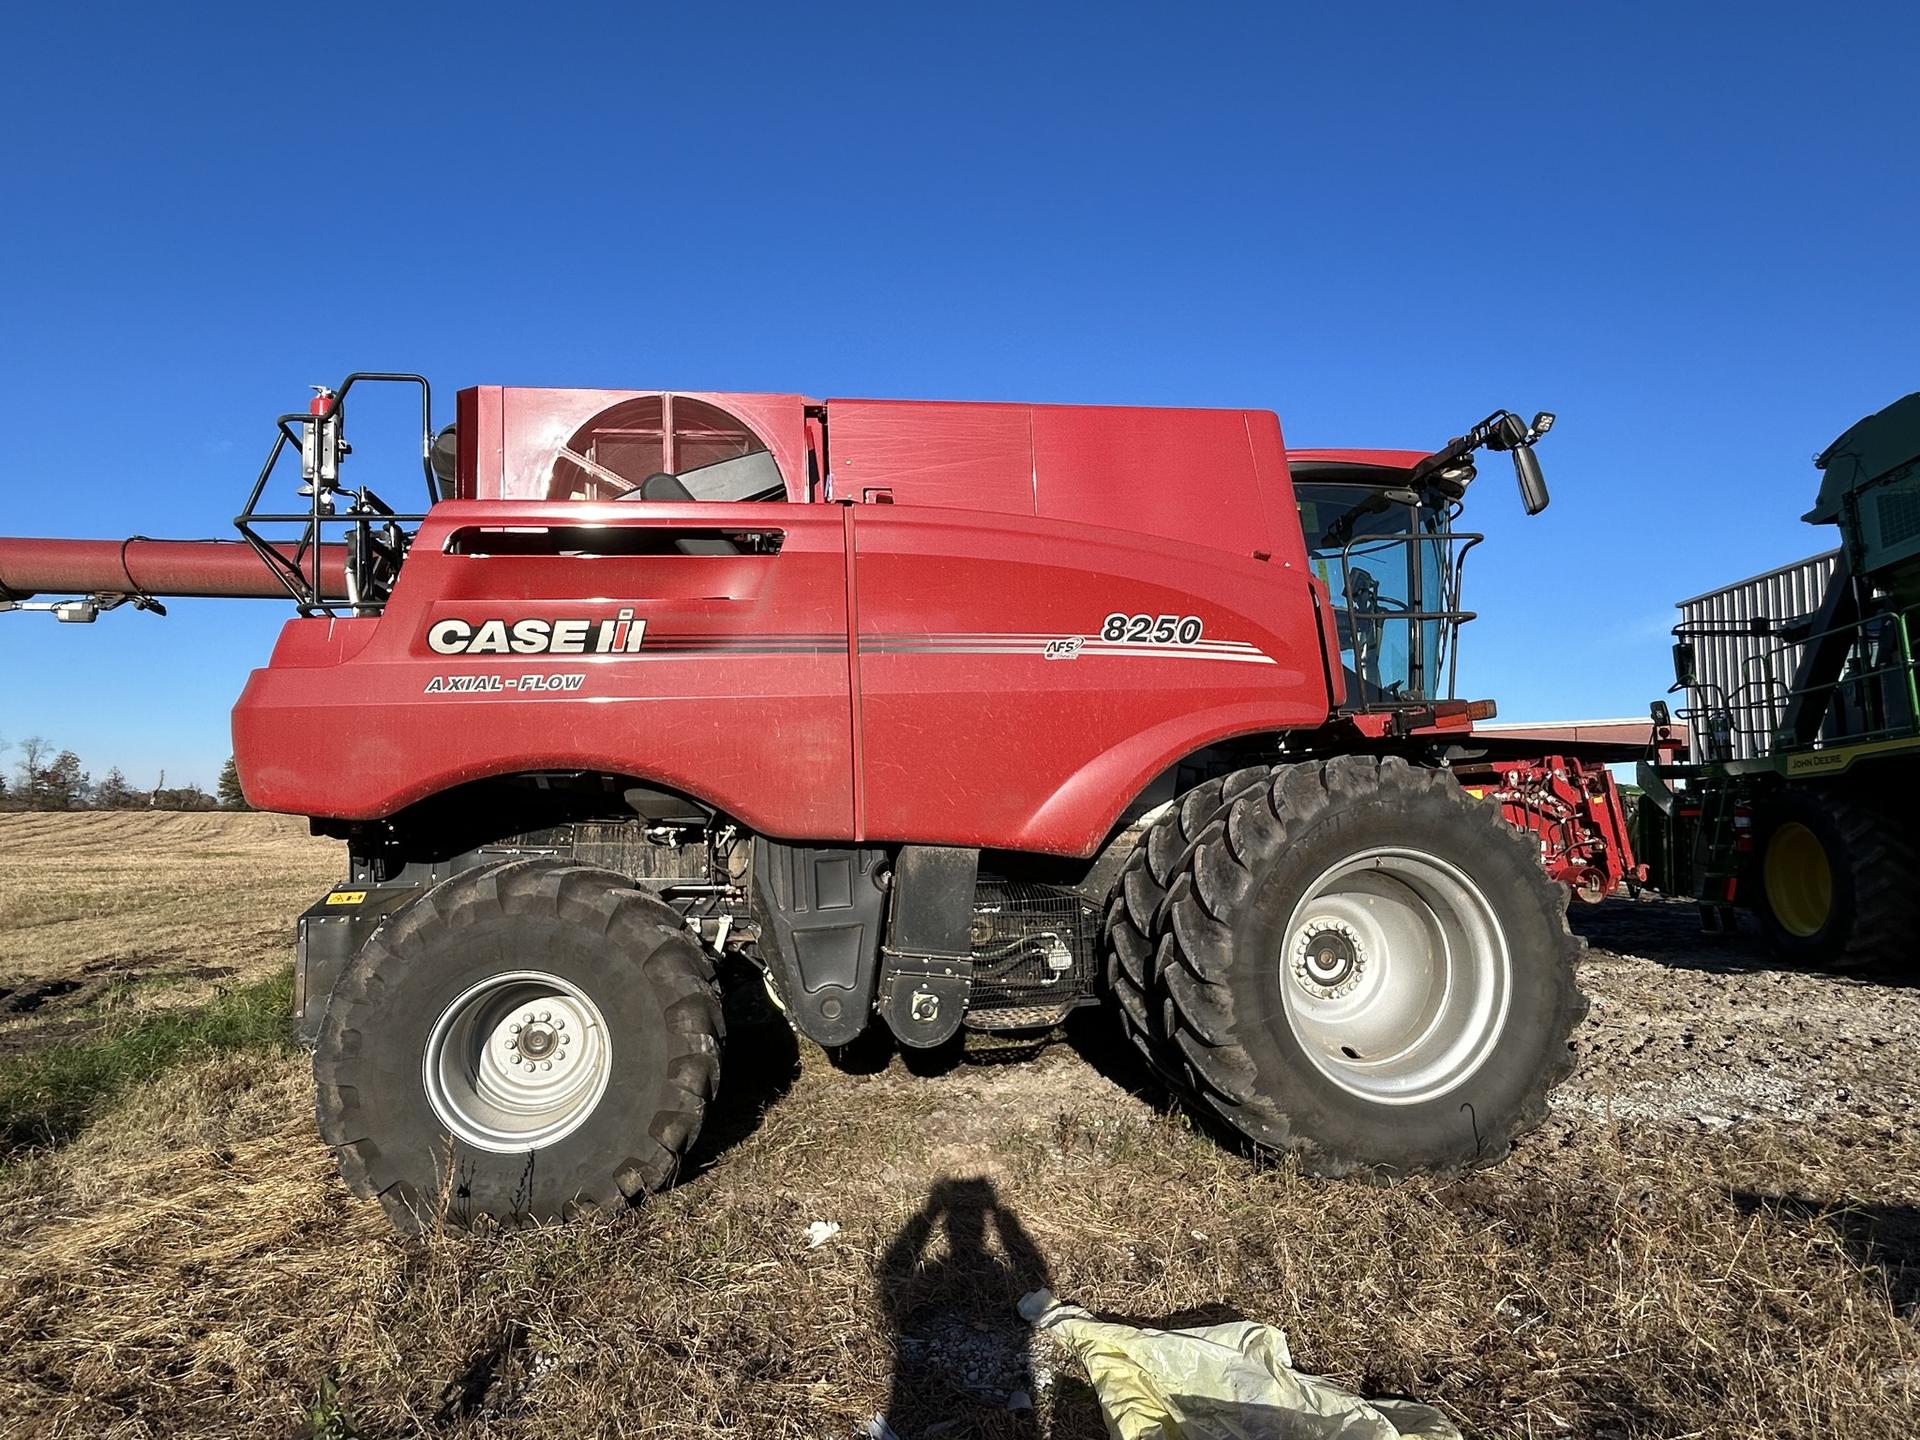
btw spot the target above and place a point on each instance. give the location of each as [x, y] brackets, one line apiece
[145, 905]
[1715, 1235]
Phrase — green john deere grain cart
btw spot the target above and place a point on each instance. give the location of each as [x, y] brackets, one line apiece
[1804, 715]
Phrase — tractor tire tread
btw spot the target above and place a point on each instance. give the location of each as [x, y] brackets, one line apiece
[1138, 895]
[647, 935]
[1886, 858]
[1190, 999]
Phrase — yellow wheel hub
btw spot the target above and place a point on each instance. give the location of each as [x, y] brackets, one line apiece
[1798, 879]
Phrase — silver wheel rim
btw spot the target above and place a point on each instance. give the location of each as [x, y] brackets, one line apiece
[517, 1062]
[1396, 975]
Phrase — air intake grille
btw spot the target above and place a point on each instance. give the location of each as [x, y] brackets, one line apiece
[1899, 517]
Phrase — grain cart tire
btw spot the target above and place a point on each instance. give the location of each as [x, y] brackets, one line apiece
[1835, 881]
[1363, 966]
[425, 1071]
[1137, 895]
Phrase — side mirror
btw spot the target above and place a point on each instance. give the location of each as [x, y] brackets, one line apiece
[1684, 674]
[1533, 485]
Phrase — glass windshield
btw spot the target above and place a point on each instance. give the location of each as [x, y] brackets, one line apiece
[1384, 563]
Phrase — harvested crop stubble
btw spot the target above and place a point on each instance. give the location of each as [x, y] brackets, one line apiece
[1675, 1253]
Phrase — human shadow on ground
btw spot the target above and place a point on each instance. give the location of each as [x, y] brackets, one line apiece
[948, 1287]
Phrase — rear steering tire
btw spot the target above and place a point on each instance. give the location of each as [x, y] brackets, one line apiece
[1356, 963]
[523, 1040]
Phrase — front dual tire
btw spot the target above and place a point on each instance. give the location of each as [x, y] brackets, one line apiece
[1349, 961]
[521, 1041]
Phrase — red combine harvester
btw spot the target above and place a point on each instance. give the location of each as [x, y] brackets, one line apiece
[940, 715]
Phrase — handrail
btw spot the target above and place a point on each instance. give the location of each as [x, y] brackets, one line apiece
[1878, 675]
[376, 540]
[1363, 610]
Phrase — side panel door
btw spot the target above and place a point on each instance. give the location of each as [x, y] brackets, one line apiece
[726, 678]
[1021, 679]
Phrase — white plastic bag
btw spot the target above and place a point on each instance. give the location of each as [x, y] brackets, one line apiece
[1219, 1382]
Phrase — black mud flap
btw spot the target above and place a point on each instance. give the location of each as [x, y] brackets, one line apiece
[926, 976]
[331, 933]
[822, 908]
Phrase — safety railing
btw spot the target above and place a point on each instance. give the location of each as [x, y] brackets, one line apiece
[1368, 612]
[1873, 695]
[372, 534]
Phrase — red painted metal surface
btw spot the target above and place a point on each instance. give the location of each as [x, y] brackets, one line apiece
[959, 457]
[738, 695]
[1215, 478]
[743, 691]
[1025, 615]
[993, 712]
[925, 669]
[222, 569]
[1575, 813]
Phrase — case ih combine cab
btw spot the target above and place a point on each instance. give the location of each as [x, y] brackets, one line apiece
[939, 715]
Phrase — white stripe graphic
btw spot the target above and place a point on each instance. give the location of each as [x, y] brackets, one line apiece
[977, 644]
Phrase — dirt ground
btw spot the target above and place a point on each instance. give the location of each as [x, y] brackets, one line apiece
[1717, 1232]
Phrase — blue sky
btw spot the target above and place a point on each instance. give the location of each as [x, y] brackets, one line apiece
[1689, 232]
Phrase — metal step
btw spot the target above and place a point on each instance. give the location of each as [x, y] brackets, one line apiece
[1025, 1017]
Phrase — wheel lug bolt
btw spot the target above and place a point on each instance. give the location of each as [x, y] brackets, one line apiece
[514, 1028]
[545, 1015]
[513, 1044]
[566, 1039]
[560, 1024]
[546, 1065]
[528, 1017]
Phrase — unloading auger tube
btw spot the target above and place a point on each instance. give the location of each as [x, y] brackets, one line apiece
[103, 574]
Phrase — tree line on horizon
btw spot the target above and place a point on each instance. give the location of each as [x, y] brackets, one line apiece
[47, 779]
